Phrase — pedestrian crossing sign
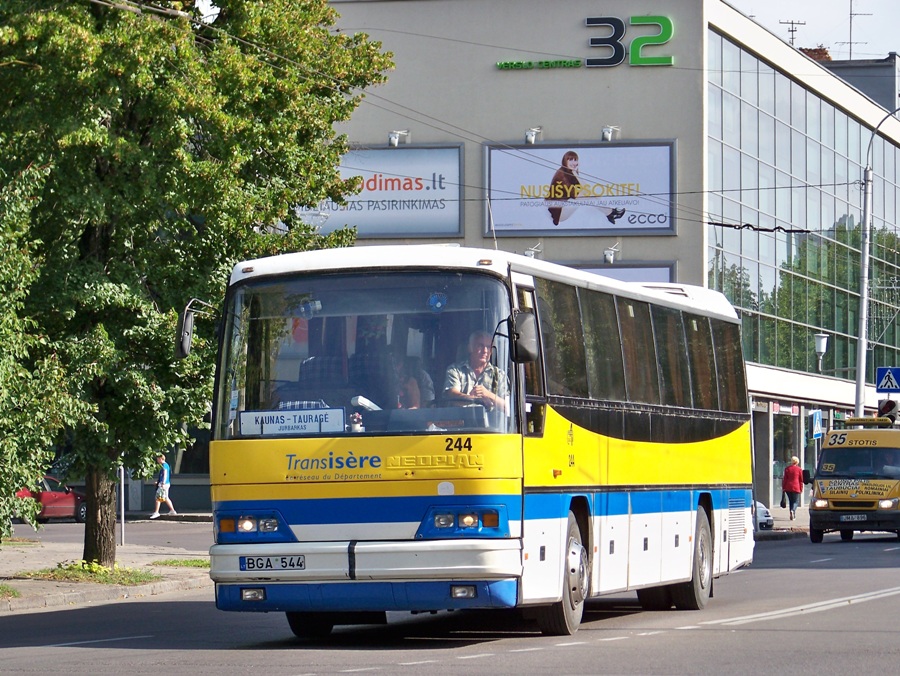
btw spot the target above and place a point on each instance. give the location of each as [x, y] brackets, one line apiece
[887, 379]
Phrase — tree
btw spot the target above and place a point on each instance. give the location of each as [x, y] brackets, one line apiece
[33, 401]
[171, 147]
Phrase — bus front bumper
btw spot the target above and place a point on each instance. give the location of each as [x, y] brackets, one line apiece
[360, 576]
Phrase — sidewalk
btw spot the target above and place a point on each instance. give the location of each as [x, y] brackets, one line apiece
[35, 555]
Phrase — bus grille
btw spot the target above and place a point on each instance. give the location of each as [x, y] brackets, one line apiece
[736, 520]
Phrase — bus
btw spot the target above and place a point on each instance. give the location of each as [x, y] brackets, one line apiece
[353, 473]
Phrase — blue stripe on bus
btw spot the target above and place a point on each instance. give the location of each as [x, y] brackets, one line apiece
[374, 510]
[556, 505]
[362, 596]
[537, 505]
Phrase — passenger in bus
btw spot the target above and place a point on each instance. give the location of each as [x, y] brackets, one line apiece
[413, 367]
[477, 381]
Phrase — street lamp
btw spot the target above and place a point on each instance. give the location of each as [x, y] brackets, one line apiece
[821, 347]
[864, 275]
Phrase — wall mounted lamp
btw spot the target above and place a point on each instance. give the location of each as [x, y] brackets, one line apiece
[394, 137]
[609, 255]
[533, 134]
[609, 133]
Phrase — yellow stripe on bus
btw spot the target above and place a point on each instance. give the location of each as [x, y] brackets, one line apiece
[570, 455]
[359, 459]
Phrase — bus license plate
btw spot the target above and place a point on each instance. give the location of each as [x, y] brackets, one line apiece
[297, 562]
[853, 517]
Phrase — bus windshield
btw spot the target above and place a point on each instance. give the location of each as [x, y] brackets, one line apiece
[362, 353]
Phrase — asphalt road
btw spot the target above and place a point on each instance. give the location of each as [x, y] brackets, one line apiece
[800, 608]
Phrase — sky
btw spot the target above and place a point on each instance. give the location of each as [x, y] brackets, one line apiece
[828, 23]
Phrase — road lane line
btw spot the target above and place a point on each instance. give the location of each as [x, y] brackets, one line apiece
[99, 640]
[810, 608]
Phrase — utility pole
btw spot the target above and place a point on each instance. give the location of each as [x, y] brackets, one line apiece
[793, 28]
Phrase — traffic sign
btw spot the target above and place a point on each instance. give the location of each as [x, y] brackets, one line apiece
[887, 379]
[816, 423]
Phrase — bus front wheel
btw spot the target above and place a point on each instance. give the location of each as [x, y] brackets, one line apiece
[309, 625]
[693, 594]
[563, 617]
[816, 535]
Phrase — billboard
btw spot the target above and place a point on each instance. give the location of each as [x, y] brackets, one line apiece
[581, 189]
[406, 192]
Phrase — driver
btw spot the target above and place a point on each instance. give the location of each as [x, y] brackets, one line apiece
[477, 381]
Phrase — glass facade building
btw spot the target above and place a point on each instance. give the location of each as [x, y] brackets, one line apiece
[785, 170]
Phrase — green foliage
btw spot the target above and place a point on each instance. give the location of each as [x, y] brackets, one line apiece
[183, 563]
[88, 571]
[7, 592]
[33, 401]
[169, 149]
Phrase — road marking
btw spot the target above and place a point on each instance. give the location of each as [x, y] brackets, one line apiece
[614, 638]
[525, 650]
[475, 657]
[412, 664]
[651, 633]
[565, 645]
[892, 549]
[811, 608]
[100, 640]
[821, 560]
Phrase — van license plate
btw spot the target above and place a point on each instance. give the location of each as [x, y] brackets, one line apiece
[297, 562]
[853, 517]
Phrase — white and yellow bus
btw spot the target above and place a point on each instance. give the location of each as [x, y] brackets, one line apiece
[609, 451]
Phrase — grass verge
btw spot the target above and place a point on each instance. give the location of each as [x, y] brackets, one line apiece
[84, 571]
[183, 563]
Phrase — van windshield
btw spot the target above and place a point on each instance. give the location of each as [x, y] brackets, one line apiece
[881, 462]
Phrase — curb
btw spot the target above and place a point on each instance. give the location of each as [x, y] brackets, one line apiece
[101, 593]
[779, 534]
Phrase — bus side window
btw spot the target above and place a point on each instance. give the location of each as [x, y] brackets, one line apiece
[533, 382]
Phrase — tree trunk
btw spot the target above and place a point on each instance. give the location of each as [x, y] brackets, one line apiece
[100, 527]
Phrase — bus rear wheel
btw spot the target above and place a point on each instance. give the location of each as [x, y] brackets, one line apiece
[693, 594]
[309, 625]
[563, 617]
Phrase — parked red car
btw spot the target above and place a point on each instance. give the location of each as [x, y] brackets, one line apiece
[58, 501]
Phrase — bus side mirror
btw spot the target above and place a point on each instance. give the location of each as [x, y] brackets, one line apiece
[807, 479]
[185, 333]
[523, 329]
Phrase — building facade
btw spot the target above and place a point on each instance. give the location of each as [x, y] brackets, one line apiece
[736, 161]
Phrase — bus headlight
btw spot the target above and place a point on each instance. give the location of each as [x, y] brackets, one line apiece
[888, 503]
[469, 521]
[263, 526]
[819, 503]
[444, 520]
